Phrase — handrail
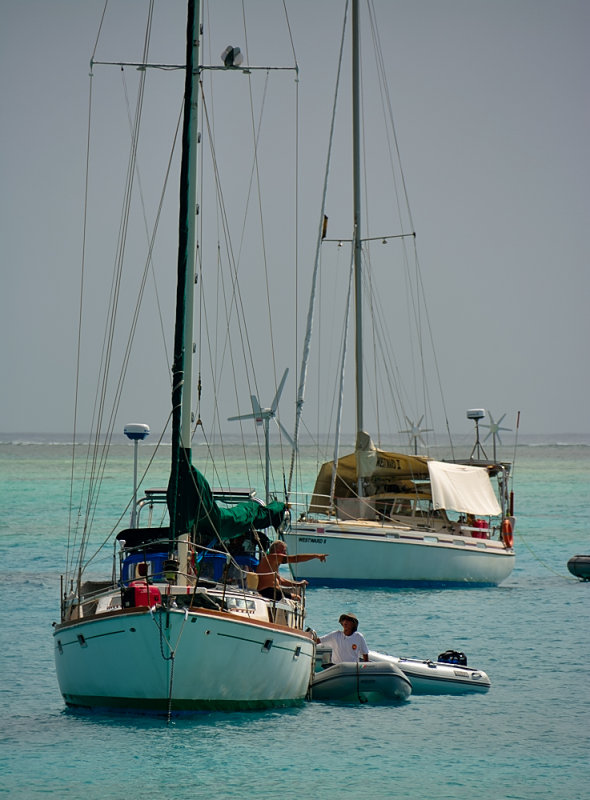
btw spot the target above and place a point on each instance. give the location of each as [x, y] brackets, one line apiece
[230, 496]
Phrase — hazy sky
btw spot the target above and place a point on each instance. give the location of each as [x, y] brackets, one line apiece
[492, 105]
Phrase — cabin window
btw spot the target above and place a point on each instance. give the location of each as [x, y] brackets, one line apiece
[242, 603]
[402, 506]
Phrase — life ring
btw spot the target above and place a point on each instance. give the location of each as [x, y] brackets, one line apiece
[507, 535]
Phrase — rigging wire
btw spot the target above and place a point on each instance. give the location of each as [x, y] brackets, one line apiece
[311, 307]
[99, 452]
[151, 238]
[255, 130]
[388, 370]
[341, 376]
[211, 336]
[231, 292]
[71, 542]
[232, 299]
[256, 139]
[418, 273]
[125, 511]
[96, 454]
[222, 218]
[255, 174]
[402, 202]
[296, 232]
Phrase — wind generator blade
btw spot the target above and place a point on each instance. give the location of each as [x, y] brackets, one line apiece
[275, 402]
[286, 434]
[256, 406]
[243, 416]
[495, 434]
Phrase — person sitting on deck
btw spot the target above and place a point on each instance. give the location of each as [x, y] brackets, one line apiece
[270, 583]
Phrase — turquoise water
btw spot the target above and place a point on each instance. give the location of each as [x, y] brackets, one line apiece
[527, 738]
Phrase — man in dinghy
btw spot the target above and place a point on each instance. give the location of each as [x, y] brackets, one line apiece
[347, 644]
[270, 583]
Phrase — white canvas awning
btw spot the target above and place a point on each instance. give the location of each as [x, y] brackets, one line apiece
[462, 488]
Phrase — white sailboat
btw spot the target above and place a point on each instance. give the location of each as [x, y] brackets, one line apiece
[169, 630]
[388, 517]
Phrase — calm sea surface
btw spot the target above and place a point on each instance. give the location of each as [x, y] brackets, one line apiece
[527, 738]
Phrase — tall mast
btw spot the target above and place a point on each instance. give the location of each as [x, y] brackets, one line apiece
[357, 237]
[183, 332]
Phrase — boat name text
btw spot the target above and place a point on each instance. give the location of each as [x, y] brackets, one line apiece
[389, 463]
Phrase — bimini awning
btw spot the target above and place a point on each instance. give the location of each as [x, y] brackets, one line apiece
[388, 472]
[462, 488]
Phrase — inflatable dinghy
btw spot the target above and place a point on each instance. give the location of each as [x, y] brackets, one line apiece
[580, 567]
[436, 677]
[379, 682]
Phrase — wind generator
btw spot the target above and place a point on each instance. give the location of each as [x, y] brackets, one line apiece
[263, 417]
[415, 433]
[494, 430]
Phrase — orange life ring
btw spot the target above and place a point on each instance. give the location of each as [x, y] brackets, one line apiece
[507, 536]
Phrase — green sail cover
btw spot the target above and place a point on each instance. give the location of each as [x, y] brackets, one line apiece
[197, 511]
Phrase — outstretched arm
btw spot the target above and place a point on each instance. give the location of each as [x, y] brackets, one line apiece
[297, 559]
